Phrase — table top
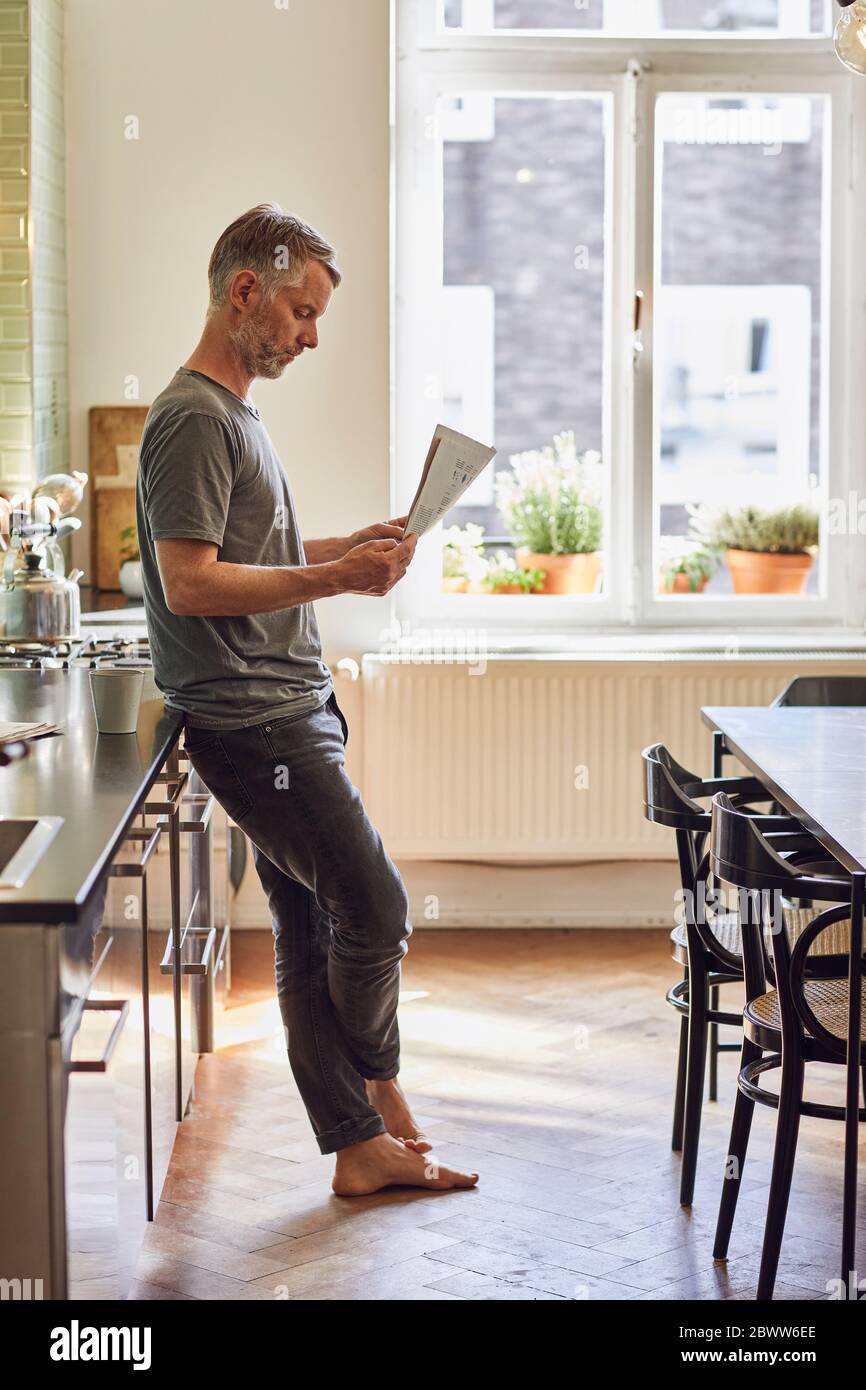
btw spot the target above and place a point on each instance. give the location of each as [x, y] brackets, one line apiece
[813, 760]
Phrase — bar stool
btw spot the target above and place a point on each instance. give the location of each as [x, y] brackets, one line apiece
[809, 1015]
[710, 951]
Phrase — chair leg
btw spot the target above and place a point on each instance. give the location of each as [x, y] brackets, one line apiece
[741, 1126]
[695, 1071]
[714, 1047]
[787, 1129]
[853, 1066]
[680, 1092]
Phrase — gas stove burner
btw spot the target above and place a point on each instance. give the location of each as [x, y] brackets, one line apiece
[13, 647]
[117, 649]
[21, 663]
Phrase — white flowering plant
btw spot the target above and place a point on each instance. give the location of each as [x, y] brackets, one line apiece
[463, 553]
[552, 499]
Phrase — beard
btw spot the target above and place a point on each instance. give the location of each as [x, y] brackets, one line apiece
[256, 346]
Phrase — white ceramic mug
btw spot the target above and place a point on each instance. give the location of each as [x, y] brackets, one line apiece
[116, 695]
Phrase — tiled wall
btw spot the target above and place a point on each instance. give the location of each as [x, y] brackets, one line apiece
[16, 376]
[34, 409]
[48, 213]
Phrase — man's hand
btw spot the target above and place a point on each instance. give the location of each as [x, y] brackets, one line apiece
[380, 531]
[375, 566]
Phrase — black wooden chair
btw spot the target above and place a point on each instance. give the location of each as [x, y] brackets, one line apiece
[807, 1015]
[823, 690]
[706, 944]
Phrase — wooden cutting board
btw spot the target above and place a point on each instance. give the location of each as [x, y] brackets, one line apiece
[115, 435]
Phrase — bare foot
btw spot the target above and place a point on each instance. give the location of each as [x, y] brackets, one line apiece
[387, 1097]
[388, 1162]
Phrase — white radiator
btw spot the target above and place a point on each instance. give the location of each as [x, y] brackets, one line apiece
[539, 759]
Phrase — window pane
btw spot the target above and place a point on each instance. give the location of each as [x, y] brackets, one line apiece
[761, 18]
[523, 298]
[739, 317]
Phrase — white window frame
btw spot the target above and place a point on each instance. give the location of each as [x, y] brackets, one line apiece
[633, 72]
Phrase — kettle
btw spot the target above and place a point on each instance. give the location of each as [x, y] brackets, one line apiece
[39, 603]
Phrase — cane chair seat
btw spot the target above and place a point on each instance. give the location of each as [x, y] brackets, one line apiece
[726, 930]
[832, 941]
[828, 1000]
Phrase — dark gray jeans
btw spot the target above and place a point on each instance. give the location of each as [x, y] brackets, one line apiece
[339, 909]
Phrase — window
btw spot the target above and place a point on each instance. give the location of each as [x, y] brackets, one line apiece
[738, 326]
[633, 18]
[525, 255]
[636, 241]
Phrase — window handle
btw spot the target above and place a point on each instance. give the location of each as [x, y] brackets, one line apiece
[637, 338]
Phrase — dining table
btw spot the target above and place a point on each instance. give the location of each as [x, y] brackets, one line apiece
[812, 760]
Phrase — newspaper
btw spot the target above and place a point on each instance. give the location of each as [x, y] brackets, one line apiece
[12, 733]
[453, 463]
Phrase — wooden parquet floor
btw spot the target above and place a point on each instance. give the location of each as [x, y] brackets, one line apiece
[545, 1061]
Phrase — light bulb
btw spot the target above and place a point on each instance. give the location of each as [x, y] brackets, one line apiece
[849, 39]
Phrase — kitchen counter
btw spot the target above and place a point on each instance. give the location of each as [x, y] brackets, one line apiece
[94, 781]
[103, 605]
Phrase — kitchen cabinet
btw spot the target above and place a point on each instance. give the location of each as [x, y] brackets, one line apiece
[92, 1081]
[114, 966]
[106, 1152]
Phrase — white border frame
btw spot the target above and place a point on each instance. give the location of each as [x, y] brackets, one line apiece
[428, 62]
[835, 443]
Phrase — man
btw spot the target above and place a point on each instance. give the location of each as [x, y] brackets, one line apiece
[228, 592]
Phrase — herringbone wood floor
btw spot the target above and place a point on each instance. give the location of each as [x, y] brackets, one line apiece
[544, 1060]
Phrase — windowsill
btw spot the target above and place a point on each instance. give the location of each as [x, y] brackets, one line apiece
[438, 644]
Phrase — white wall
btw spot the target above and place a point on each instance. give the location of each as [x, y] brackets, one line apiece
[239, 102]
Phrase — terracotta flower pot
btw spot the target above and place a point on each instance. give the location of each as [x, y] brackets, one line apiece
[563, 574]
[681, 585]
[455, 586]
[758, 572]
[506, 589]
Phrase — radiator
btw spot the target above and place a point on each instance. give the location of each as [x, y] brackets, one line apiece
[539, 759]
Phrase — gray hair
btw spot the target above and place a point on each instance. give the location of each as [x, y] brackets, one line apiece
[273, 244]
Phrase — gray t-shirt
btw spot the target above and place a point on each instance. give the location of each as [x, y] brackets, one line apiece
[208, 471]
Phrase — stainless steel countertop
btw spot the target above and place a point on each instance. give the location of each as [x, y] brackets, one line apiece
[95, 781]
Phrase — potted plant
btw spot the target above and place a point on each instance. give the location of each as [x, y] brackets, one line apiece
[505, 576]
[551, 502]
[767, 551]
[462, 557]
[130, 568]
[686, 568]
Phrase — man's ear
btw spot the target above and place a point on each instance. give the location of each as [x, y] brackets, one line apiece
[244, 284]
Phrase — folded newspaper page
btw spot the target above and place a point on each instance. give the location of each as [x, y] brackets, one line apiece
[13, 733]
[453, 463]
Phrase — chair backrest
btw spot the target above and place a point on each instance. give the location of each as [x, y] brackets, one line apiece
[824, 690]
[742, 856]
[668, 788]
[672, 794]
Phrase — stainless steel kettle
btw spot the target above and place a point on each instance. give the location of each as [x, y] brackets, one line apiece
[38, 602]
